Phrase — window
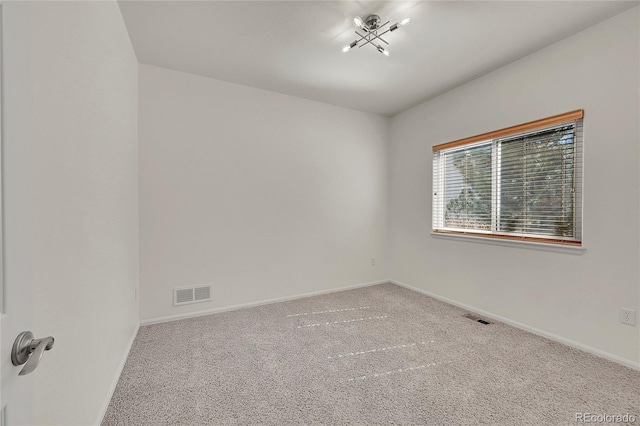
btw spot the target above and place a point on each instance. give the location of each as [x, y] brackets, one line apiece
[523, 182]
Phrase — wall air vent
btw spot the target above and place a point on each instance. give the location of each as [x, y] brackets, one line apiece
[187, 295]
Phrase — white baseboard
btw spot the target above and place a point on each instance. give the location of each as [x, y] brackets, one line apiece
[253, 304]
[116, 377]
[551, 336]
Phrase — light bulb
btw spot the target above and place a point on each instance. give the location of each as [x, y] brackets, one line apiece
[382, 50]
[405, 21]
[358, 21]
[350, 46]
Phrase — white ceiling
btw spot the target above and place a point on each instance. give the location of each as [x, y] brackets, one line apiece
[294, 47]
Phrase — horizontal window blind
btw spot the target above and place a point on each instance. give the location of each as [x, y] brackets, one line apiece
[524, 185]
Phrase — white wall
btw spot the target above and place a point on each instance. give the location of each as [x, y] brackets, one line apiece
[85, 203]
[260, 194]
[576, 297]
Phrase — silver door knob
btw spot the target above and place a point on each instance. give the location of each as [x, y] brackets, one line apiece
[28, 350]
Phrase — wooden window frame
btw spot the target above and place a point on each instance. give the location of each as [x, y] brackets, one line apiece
[512, 130]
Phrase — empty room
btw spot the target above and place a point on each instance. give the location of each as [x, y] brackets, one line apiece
[319, 212]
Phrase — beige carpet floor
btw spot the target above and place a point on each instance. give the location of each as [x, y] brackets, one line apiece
[374, 355]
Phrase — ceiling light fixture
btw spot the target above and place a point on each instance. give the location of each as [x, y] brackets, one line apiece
[373, 31]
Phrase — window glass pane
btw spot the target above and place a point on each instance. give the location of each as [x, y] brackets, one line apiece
[536, 183]
[467, 184]
[523, 186]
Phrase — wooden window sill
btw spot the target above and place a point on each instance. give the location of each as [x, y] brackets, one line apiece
[571, 248]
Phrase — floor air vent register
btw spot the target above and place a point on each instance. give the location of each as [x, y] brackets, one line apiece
[476, 319]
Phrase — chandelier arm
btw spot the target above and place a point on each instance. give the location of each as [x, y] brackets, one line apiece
[371, 41]
[379, 38]
[382, 40]
[362, 37]
[367, 41]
